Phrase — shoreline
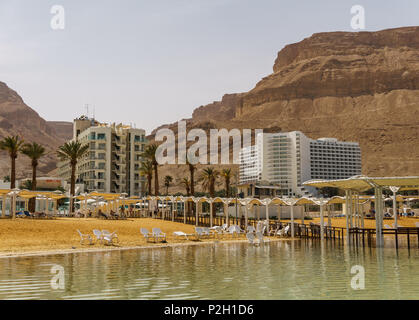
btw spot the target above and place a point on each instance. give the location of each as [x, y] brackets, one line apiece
[116, 248]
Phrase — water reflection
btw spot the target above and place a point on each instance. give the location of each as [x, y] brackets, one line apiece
[276, 270]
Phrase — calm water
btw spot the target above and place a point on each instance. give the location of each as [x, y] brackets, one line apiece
[278, 270]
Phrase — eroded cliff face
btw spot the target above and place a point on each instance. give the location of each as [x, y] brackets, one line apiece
[360, 87]
[16, 118]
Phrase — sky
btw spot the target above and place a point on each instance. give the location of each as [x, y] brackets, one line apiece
[148, 63]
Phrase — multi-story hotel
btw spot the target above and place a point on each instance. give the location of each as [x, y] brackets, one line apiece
[289, 159]
[113, 161]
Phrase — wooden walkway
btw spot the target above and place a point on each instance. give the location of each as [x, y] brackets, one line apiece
[357, 236]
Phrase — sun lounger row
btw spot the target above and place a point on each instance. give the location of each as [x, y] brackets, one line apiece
[156, 235]
[104, 237]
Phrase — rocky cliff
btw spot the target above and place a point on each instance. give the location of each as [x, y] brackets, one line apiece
[353, 86]
[16, 118]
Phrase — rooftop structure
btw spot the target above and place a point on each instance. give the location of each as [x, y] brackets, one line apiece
[113, 160]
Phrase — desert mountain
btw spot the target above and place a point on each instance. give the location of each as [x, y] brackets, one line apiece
[360, 87]
[16, 118]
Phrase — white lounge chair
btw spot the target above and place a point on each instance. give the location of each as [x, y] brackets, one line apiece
[206, 232]
[283, 232]
[158, 234]
[147, 235]
[109, 237]
[218, 231]
[251, 229]
[224, 227]
[178, 234]
[98, 235]
[85, 237]
[198, 233]
[233, 231]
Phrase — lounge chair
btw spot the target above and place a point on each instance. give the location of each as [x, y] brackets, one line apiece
[109, 237]
[206, 232]
[178, 234]
[85, 237]
[147, 235]
[224, 227]
[23, 214]
[235, 230]
[251, 229]
[259, 235]
[232, 230]
[417, 224]
[218, 231]
[239, 230]
[283, 232]
[158, 234]
[98, 235]
[198, 233]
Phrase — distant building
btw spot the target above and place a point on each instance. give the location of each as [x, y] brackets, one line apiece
[44, 183]
[112, 163]
[288, 159]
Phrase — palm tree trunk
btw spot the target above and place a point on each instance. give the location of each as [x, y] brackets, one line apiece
[13, 173]
[192, 170]
[212, 194]
[156, 181]
[72, 187]
[32, 201]
[149, 178]
[228, 188]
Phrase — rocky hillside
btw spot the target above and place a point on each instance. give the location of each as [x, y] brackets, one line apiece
[16, 118]
[353, 86]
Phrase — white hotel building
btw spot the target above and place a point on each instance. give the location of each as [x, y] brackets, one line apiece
[288, 159]
[112, 163]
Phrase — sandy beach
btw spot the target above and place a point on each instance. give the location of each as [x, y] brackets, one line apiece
[33, 236]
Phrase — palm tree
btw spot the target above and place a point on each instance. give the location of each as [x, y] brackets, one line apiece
[72, 151]
[34, 151]
[226, 173]
[12, 145]
[150, 154]
[208, 178]
[167, 181]
[186, 183]
[27, 184]
[192, 168]
[146, 170]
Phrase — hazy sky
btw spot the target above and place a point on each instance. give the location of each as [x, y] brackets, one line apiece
[152, 62]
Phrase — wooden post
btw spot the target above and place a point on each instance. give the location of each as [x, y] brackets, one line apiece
[321, 222]
[197, 213]
[211, 212]
[292, 221]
